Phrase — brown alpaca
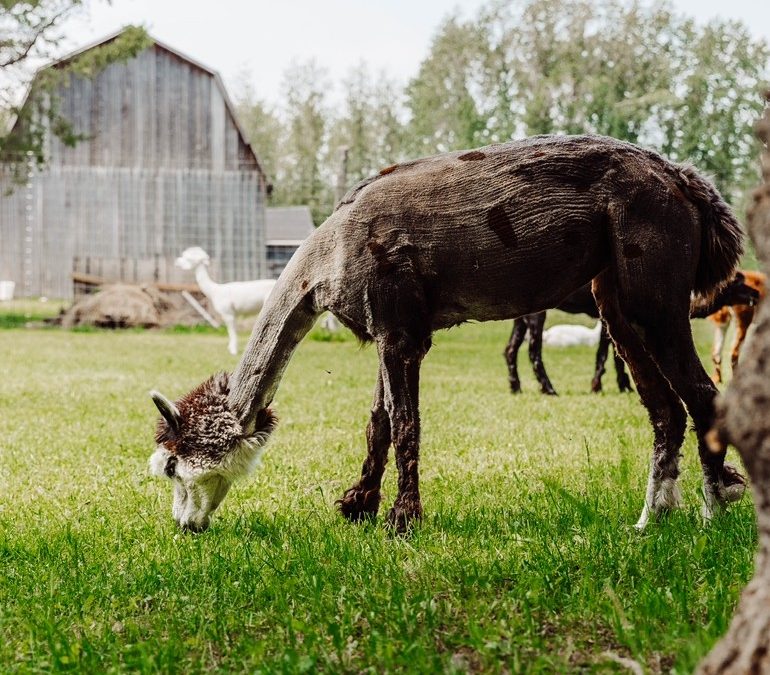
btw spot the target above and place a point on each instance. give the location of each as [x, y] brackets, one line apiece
[493, 233]
[744, 315]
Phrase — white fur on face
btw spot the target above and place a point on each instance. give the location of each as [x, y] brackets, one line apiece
[158, 461]
[199, 491]
[195, 501]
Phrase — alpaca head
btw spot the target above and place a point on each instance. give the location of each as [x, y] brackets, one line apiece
[192, 257]
[202, 447]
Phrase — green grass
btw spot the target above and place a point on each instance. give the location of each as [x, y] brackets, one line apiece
[526, 561]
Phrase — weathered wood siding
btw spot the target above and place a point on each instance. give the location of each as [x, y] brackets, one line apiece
[163, 167]
[156, 110]
[135, 215]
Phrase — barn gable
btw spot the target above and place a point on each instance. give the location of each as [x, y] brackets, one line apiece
[160, 109]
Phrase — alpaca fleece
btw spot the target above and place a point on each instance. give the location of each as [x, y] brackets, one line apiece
[209, 431]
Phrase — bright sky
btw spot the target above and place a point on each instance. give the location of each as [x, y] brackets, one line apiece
[263, 37]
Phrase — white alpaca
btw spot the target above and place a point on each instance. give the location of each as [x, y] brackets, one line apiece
[570, 335]
[229, 300]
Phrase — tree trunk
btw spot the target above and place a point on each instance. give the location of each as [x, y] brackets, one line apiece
[743, 420]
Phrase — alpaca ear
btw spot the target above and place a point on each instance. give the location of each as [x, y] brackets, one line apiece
[166, 408]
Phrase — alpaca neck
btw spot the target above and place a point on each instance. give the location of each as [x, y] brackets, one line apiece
[285, 319]
[204, 281]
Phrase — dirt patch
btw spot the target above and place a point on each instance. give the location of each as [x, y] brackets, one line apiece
[130, 306]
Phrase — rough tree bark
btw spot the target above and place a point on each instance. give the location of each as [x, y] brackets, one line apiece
[742, 420]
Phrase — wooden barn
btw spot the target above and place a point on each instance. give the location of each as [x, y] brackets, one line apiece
[165, 165]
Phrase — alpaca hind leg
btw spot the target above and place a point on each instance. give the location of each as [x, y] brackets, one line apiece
[670, 340]
[666, 412]
[362, 501]
[535, 323]
[401, 356]
[511, 353]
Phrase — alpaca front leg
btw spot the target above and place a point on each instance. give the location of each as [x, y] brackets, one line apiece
[362, 501]
[402, 377]
[232, 335]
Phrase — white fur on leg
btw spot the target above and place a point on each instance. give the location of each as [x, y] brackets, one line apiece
[668, 495]
[709, 501]
[232, 334]
[649, 500]
[662, 495]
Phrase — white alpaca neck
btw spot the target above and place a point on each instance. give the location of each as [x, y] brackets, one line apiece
[205, 282]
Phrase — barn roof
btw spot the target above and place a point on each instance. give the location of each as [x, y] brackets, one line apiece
[184, 57]
[288, 225]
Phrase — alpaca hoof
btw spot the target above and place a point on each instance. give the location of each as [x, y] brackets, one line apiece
[596, 386]
[515, 387]
[404, 516]
[358, 505]
[733, 484]
[549, 391]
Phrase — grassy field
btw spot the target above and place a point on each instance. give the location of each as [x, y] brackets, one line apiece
[526, 561]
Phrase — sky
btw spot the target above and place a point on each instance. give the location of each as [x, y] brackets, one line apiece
[255, 41]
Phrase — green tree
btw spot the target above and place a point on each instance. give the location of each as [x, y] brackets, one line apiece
[442, 98]
[630, 70]
[369, 129]
[303, 178]
[264, 130]
[575, 67]
[717, 89]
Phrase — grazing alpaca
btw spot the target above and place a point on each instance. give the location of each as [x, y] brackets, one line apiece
[735, 292]
[744, 315]
[488, 234]
[572, 335]
[229, 300]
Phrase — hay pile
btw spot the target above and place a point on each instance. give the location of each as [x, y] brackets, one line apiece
[129, 306]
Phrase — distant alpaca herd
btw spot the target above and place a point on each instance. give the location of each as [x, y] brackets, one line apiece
[504, 231]
[737, 298]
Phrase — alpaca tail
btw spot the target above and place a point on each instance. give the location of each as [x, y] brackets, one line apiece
[721, 234]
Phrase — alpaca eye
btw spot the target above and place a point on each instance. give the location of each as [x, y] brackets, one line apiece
[170, 469]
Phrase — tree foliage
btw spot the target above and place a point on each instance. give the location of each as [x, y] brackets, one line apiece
[367, 128]
[635, 71]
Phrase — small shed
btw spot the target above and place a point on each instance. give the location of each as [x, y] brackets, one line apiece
[287, 228]
[164, 165]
